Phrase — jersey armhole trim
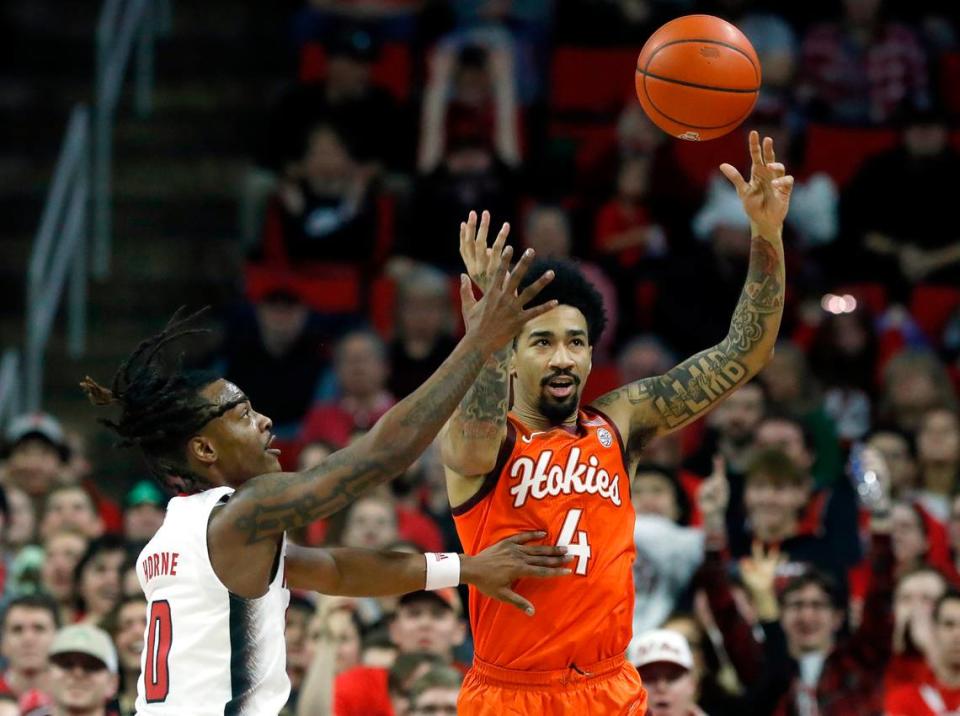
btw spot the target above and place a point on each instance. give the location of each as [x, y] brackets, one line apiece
[613, 426]
[491, 478]
[623, 450]
[275, 567]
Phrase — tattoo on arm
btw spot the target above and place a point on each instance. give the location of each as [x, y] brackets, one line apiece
[483, 410]
[288, 501]
[693, 387]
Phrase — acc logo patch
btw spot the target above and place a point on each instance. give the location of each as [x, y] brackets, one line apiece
[605, 438]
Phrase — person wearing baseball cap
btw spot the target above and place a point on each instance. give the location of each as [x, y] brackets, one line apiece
[144, 508]
[429, 621]
[665, 663]
[83, 671]
[36, 451]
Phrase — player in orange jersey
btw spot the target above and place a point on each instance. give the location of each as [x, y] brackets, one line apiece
[551, 464]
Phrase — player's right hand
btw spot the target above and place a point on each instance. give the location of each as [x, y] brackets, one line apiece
[500, 314]
[496, 568]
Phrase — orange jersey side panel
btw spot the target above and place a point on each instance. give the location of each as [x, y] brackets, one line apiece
[575, 486]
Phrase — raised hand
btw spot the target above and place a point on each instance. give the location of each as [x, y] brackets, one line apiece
[759, 571]
[766, 197]
[714, 494]
[496, 568]
[479, 259]
[500, 315]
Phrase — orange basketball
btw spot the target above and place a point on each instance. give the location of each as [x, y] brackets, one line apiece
[698, 77]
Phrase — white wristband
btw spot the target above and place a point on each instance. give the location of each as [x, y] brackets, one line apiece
[443, 570]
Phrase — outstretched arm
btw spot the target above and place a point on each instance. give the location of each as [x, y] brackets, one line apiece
[372, 573]
[265, 507]
[472, 437]
[659, 405]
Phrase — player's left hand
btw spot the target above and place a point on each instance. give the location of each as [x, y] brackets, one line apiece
[766, 197]
[479, 259]
[496, 568]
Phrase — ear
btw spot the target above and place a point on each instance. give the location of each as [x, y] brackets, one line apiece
[201, 449]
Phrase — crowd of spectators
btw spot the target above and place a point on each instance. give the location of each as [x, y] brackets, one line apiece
[798, 551]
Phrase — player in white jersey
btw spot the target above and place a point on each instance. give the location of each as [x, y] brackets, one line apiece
[216, 573]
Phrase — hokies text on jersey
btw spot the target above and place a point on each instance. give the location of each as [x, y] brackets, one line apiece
[541, 477]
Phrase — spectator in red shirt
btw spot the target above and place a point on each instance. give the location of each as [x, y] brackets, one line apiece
[361, 368]
[939, 695]
[805, 665]
[914, 599]
[625, 231]
[430, 622]
[26, 632]
[859, 70]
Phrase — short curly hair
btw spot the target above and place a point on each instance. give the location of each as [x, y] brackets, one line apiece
[570, 288]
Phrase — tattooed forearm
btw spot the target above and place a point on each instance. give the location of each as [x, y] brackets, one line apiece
[269, 513]
[432, 408]
[483, 411]
[667, 402]
[269, 505]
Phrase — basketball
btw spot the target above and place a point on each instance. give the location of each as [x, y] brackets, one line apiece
[698, 77]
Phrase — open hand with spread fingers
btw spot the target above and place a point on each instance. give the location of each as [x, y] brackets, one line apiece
[496, 568]
[479, 259]
[766, 197]
[500, 315]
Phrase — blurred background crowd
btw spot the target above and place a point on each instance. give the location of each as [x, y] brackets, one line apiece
[798, 551]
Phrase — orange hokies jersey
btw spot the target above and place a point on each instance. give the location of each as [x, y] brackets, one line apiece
[574, 485]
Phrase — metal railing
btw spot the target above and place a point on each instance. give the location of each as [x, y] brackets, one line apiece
[9, 385]
[122, 23]
[82, 175]
[60, 247]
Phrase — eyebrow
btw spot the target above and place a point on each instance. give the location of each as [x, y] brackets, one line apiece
[571, 332]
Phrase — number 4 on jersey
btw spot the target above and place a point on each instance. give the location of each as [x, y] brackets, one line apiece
[579, 549]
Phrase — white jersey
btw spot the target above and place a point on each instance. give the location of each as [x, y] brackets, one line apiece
[206, 650]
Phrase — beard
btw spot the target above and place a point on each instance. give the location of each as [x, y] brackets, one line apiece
[557, 411]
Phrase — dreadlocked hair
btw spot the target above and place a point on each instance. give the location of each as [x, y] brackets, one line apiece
[161, 406]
